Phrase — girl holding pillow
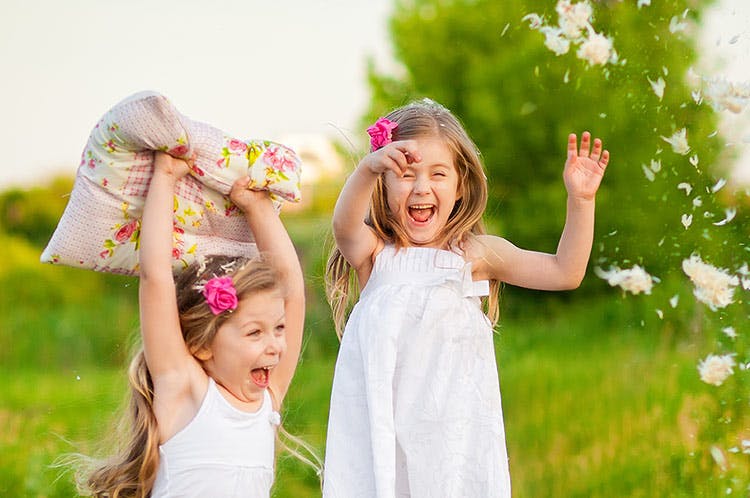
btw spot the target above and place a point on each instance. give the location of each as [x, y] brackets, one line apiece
[220, 347]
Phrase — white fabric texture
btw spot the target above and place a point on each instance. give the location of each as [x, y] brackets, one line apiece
[222, 452]
[415, 406]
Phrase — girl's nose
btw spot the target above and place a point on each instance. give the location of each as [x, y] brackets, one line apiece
[276, 345]
[421, 185]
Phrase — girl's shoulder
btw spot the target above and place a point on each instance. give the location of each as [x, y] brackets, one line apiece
[485, 253]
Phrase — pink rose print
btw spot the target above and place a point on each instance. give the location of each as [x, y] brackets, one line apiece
[177, 253]
[195, 169]
[381, 133]
[280, 157]
[178, 151]
[237, 146]
[126, 231]
[230, 209]
[220, 294]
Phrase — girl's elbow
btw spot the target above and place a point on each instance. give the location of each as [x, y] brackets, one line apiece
[573, 282]
[566, 281]
[339, 228]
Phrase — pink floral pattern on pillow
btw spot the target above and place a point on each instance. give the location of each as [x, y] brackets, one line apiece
[100, 227]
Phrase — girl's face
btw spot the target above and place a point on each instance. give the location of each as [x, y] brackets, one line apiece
[422, 199]
[248, 346]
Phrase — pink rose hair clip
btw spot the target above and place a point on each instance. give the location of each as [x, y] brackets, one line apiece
[381, 133]
[220, 295]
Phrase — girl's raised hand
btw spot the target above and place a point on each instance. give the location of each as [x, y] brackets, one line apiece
[249, 201]
[396, 156]
[171, 166]
[584, 167]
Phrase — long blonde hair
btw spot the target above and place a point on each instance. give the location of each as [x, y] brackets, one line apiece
[421, 119]
[131, 471]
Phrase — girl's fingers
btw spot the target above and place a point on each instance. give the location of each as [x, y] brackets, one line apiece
[596, 152]
[408, 148]
[242, 182]
[604, 159]
[585, 144]
[396, 160]
[572, 145]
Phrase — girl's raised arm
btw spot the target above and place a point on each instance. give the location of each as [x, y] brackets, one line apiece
[356, 241]
[163, 344]
[274, 243]
[499, 259]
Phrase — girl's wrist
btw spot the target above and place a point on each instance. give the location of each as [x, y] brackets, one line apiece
[581, 201]
[165, 176]
[260, 209]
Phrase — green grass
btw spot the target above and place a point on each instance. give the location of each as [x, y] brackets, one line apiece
[601, 399]
[589, 412]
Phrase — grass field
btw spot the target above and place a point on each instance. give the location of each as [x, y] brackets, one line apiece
[597, 403]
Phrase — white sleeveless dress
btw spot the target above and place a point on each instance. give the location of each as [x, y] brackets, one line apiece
[415, 407]
[222, 452]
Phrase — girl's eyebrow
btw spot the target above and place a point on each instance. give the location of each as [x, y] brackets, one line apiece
[256, 320]
[423, 165]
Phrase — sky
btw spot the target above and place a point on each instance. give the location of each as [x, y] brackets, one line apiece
[253, 68]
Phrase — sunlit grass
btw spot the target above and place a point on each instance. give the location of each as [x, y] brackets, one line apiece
[47, 413]
[594, 413]
[598, 401]
[589, 411]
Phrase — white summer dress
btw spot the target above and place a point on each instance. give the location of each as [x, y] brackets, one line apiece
[223, 452]
[415, 407]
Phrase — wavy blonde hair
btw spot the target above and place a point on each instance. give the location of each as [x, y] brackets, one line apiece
[421, 119]
[131, 471]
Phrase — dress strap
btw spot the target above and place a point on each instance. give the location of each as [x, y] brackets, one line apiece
[470, 287]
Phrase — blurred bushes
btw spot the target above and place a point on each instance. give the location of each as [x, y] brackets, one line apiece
[33, 213]
[58, 316]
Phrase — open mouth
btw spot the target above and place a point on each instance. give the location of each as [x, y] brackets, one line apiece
[261, 375]
[421, 213]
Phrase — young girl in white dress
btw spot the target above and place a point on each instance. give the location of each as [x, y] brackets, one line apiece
[219, 350]
[415, 408]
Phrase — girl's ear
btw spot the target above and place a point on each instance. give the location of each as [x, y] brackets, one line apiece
[460, 188]
[203, 354]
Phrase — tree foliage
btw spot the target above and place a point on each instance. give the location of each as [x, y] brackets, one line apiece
[519, 102]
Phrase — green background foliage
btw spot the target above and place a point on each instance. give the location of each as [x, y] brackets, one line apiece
[519, 102]
[601, 395]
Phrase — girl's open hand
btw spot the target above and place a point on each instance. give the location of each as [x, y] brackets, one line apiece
[396, 156]
[584, 167]
[164, 163]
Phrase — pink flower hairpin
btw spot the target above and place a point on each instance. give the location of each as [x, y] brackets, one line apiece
[381, 133]
[220, 294]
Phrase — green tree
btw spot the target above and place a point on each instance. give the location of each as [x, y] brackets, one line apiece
[519, 102]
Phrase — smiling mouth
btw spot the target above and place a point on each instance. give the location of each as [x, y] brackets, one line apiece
[421, 213]
[261, 375]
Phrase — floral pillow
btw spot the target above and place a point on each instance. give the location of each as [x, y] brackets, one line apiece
[100, 227]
